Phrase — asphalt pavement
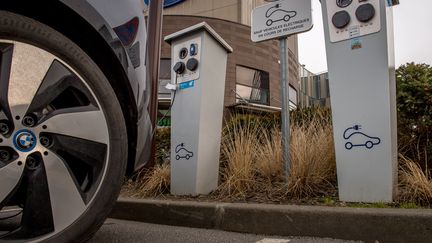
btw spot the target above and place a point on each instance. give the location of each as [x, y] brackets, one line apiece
[365, 224]
[116, 231]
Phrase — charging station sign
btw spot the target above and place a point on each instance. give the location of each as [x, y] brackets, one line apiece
[281, 18]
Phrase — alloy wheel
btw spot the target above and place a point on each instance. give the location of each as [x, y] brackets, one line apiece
[54, 143]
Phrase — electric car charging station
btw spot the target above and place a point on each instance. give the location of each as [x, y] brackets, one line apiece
[199, 60]
[360, 57]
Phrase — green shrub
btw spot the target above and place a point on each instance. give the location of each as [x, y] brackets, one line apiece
[414, 105]
[299, 116]
[235, 121]
[304, 116]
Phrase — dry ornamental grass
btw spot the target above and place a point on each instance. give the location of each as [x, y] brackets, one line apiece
[252, 160]
[252, 167]
[151, 183]
[414, 184]
[313, 169]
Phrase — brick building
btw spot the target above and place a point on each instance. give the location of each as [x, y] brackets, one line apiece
[253, 70]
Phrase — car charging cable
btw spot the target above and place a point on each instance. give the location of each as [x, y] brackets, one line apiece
[173, 89]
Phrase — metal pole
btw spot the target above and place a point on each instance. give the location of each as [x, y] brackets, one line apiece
[284, 72]
[154, 38]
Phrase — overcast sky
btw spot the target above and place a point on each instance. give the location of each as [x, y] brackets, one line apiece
[413, 36]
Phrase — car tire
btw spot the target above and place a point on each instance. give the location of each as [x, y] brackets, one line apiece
[103, 188]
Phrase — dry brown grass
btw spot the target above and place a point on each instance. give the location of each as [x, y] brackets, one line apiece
[414, 184]
[238, 149]
[313, 165]
[151, 183]
[253, 166]
[269, 156]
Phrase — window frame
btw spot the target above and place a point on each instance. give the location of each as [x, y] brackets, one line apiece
[267, 90]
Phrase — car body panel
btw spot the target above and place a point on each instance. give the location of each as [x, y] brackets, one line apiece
[105, 16]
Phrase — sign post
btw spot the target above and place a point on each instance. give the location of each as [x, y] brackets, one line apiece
[278, 20]
[284, 74]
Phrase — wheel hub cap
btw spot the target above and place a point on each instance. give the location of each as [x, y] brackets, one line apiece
[25, 140]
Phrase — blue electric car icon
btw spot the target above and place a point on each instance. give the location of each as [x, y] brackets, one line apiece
[362, 140]
[182, 152]
[276, 14]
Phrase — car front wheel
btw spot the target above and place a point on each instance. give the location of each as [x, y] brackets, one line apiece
[63, 144]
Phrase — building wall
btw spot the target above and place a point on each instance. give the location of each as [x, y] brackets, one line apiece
[226, 9]
[262, 56]
[314, 89]
[233, 10]
[246, 9]
[238, 11]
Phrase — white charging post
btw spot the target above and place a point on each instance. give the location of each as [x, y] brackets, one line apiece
[199, 60]
[360, 56]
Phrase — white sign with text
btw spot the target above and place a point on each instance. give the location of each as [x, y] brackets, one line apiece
[281, 18]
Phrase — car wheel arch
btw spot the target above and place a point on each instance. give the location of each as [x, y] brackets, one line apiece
[95, 46]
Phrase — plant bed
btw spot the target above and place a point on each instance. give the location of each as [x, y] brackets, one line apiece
[251, 167]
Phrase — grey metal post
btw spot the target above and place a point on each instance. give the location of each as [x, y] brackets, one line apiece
[285, 104]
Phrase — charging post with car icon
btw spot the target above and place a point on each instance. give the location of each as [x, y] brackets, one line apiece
[355, 138]
[199, 61]
[182, 153]
[360, 58]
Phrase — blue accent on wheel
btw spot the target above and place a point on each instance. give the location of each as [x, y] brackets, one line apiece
[24, 140]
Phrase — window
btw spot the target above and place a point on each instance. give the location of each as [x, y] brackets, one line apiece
[292, 97]
[164, 75]
[252, 86]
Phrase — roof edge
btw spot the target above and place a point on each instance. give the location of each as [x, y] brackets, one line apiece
[196, 28]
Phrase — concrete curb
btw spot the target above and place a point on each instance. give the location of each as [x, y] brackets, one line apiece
[366, 224]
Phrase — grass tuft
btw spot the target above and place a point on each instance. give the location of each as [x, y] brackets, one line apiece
[239, 150]
[313, 166]
[414, 184]
[151, 183]
[252, 163]
[252, 167]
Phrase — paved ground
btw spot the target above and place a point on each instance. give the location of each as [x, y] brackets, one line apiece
[367, 224]
[114, 231]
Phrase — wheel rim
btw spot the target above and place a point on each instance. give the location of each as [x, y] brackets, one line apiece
[54, 142]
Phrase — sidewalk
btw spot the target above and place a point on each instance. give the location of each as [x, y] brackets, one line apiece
[366, 224]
